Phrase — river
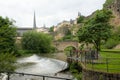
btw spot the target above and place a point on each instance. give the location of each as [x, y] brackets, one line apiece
[40, 66]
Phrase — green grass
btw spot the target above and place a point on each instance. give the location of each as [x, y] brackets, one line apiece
[111, 50]
[103, 68]
[109, 61]
[110, 53]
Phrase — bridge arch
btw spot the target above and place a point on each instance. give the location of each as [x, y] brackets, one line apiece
[61, 45]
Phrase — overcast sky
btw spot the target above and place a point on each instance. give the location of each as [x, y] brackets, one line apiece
[48, 12]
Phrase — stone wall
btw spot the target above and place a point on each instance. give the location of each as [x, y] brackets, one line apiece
[94, 75]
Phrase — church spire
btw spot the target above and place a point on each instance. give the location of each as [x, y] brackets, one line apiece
[79, 14]
[34, 22]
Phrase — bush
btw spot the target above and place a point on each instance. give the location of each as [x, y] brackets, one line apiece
[80, 19]
[111, 43]
[36, 42]
[53, 49]
[76, 70]
[7, 61]
[67, 37]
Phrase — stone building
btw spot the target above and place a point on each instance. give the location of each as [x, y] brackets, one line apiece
[66, 23]
[20, 31]
[43, 29]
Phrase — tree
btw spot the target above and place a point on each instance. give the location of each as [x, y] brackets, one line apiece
[80, 19]
[51, 29]
[68, 35]
[7, 44]
[36, 41]
[96, 29]
[7, 35]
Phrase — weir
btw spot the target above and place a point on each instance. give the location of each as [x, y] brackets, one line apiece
[38, 65]
[37, 68]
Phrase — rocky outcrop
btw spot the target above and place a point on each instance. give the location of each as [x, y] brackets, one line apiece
[115, 7]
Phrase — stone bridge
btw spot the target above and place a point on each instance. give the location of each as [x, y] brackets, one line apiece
[61, 45]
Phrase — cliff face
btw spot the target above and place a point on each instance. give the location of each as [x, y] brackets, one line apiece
[61, 31]
[115, 7]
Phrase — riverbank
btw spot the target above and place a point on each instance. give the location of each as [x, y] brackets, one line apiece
[60, 56]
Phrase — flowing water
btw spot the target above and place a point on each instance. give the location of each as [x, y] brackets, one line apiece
[38, 65]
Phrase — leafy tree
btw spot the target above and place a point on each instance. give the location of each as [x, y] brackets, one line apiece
[36, 41]
[96, 29]
[68, 35]
[7, 35]
[80, 19]
[69, 50]
[51, 29]
[7, 44]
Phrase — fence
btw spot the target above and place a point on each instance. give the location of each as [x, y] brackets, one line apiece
[103, 64]
[90, 60]
[25, 76]
[99, 69]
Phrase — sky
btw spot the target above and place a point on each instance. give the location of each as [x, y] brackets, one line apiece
[48, 12]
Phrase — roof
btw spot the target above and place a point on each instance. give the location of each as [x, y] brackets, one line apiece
[24, 28]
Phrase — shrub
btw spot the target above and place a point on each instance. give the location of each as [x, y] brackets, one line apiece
[36, 42]
[7, 61]
[111, 43]
[76, 70]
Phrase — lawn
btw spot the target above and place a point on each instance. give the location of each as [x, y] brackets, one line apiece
[109, 61]
[110, 53]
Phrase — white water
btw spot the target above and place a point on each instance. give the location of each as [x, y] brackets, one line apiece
[41, 65]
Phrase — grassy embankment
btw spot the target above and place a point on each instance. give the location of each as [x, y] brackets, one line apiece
[109, 61]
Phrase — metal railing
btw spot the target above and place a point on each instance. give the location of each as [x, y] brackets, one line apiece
[101, 64]
[99, 69]
[104, 64]
[42, 77]
[91, 60]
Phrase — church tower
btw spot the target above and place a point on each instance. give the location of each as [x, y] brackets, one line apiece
[79, 14]
[34, 22]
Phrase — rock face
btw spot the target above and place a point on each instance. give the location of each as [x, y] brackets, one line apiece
[117, 47]
[115, 7]
[61, 30]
